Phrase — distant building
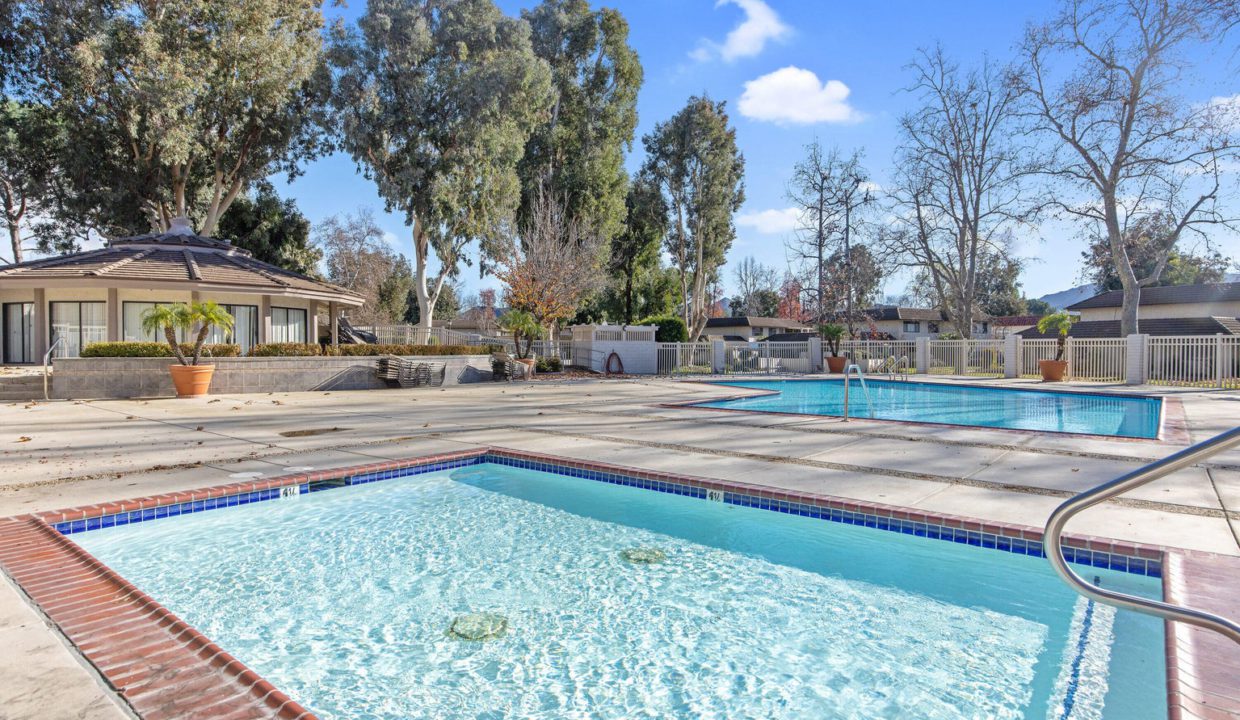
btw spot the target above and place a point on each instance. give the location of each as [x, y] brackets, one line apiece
[1006, 325]
[749, 328]
[479, 321]
[1206, 309]
[904, 323]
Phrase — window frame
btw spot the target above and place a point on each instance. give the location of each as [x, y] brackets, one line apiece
[81, 339]
[305, 322]
[916, 326]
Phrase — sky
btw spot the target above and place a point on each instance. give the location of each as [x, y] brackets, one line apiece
[793, 71]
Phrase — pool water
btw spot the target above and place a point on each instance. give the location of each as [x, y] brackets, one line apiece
[1048, 411]
[343, 599]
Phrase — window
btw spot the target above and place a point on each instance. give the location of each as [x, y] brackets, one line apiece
[245, 327]
[912, 326]
[932, 327]
[131, 323]
[76, 325]
[981, 328]
[288, 325]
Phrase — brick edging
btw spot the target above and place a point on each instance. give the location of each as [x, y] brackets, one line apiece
[103, 615]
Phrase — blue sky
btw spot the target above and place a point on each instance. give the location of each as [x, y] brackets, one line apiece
[833, 70]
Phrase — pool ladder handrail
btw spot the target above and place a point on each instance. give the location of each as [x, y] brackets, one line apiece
[1054, 542]
[893, 364]
[848, 370]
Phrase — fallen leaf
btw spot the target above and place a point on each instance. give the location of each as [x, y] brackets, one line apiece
[24, 438]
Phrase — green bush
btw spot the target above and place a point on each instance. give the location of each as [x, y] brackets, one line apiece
[670, 328]
[154, 349]
[370, 350]
[286, 350]
[549, 364]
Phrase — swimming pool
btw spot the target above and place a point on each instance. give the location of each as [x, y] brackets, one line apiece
[343, 599]
[1049, 411]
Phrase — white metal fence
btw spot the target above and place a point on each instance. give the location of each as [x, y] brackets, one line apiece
[684, 358]
[864, 351]
[1198, 361]
[966, 357]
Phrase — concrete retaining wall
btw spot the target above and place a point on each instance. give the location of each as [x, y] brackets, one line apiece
[85, 378]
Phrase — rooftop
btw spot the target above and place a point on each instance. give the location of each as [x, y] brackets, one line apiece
[174, 258]
[754, 321]
[1155, 326]
[1170, 295]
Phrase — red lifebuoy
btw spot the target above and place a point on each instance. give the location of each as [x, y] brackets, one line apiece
[607, 367]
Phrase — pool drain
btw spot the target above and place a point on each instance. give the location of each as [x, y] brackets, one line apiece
[643, 556]
[479, 626]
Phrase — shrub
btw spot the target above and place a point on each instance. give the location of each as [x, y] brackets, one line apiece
[286, 350]
[549, 364]
[669, 328]
[380, 349]
[154, 349]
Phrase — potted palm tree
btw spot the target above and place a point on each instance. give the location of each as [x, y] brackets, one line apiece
[189, 378]
[832, 334]
[1060, 324]
[525, 330]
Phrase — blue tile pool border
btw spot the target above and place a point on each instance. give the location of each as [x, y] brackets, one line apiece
[993, 536]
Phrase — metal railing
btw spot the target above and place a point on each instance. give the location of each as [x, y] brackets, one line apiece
[1065, 512]
[47, 357]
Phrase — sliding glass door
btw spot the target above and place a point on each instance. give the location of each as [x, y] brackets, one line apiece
[15, 320]
[76, 325]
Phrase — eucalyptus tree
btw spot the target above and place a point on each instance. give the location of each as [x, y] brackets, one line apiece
[435, 100]
[962, 181]
[694, 160]
[1125, 149]
[636, 247]
[179, 105]
[30, 140]
[832, 193]
[576, 152]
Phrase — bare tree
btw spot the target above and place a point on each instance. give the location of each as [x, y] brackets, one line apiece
[960, 185]
[1123, 146]
[832, 193]
[552, 266]
[755, 283]
[358, 258]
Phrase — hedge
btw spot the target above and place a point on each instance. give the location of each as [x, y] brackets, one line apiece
[154, 349]
[669, 328]
[286, 350]
[368, 350]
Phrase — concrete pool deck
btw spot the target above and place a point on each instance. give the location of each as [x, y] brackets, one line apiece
[62, 454]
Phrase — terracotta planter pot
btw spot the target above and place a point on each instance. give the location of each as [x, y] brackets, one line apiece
[1053, 370]
[191, 380]
[836, 364]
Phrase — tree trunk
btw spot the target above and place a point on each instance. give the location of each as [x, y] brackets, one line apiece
[15, 238]
[628, 298]
[1123, 267]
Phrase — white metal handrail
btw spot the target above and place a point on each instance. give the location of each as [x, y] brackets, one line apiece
[1137, 478]
[47, 357]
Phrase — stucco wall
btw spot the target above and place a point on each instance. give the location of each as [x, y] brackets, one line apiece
[83, 378]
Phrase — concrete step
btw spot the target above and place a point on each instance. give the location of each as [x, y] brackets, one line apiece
[22, 388]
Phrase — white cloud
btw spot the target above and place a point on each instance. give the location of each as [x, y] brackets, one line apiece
[760, 26]
[1227, 110]
[770, 222]
[795, 95]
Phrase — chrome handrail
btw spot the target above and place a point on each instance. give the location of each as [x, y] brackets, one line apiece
[848, 369]
[1054, 541]
[47, 357]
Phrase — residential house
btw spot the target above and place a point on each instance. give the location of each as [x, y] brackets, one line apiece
[904, 323]
[69, 301]
[1206, 309]
[748, 328]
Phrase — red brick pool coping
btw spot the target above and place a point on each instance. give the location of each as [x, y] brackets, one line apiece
[163, 668]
